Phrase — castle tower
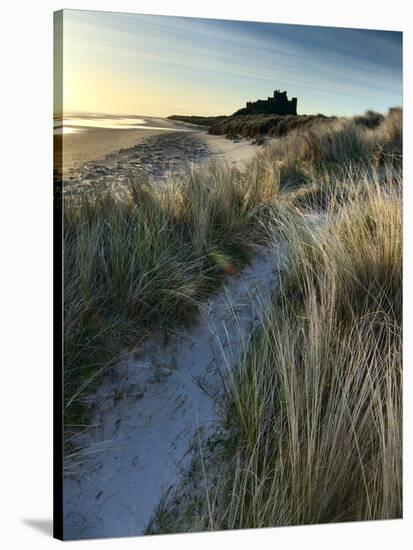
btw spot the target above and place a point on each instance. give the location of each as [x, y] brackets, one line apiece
[278, 104]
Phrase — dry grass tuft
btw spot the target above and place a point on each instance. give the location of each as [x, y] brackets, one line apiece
[136, 263]
[313, 422]
[315, 411]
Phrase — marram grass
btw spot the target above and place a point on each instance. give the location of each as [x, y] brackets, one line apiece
[314, 423]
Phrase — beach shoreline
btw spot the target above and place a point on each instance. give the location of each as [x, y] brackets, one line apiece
[101, 157]
[94, 144]
[86, 144]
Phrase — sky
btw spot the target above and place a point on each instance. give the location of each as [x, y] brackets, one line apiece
[157, 65]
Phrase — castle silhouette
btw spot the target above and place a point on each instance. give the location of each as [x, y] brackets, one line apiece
[279, 104]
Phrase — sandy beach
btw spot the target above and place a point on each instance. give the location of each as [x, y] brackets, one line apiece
[96, 143]
[88, 143]
[104, 156]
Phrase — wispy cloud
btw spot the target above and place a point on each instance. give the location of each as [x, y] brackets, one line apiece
[212, 66]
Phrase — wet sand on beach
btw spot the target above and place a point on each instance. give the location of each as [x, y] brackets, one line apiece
[98, 157]
[95, 144]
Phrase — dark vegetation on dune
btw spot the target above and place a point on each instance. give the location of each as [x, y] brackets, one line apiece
[253, 125]
[250, 126]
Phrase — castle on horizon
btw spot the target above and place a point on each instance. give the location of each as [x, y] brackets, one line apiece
[279, 104]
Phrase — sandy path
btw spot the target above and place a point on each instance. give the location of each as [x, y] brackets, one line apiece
[150, 415]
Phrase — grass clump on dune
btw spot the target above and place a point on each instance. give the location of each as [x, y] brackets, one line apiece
[334, 147]
[253, 125]
[314, 417]
[138, 263]
[318, 396]
[250, 126]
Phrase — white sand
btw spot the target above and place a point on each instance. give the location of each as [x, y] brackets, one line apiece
[235, 153]
[147, 430]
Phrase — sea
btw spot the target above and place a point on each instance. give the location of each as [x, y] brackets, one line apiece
[76, 123]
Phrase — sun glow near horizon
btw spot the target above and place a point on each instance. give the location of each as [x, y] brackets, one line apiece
[159, 66]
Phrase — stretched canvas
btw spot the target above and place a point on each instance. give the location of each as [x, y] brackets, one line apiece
[228, 274]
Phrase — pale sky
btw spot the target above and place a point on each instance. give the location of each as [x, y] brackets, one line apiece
[153, 65]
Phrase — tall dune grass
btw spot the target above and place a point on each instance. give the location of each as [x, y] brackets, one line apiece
[313, 423]
[315, 417]
[140, 262]
[318, 395]
[333, 145]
